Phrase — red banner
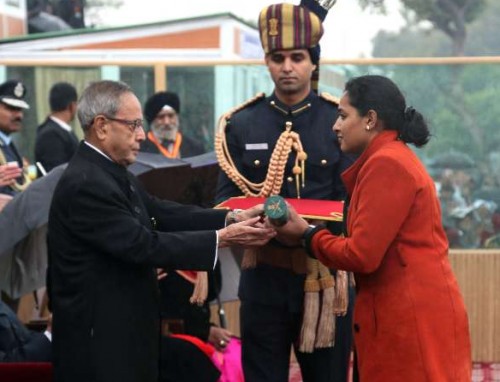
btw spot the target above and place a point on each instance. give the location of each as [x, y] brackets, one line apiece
[307, 208]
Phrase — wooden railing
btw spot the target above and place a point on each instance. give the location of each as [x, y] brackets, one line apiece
[478, 274]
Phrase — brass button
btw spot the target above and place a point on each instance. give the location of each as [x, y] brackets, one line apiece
[323, 162]
[289, 179]
[256, 162]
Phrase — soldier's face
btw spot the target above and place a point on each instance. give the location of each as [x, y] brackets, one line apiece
[11, 119]
[291, 70]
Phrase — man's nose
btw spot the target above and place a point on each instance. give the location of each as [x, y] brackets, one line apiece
[287, 65]
[140, 134]
[17, 114]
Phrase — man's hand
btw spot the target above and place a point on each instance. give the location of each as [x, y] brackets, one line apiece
[237, 216]
[248, 233]
[161, 274]
[219, 337]
[253, 212]
[8, 173]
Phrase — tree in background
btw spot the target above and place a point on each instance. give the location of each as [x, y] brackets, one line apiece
[448, 16]
[448, 94]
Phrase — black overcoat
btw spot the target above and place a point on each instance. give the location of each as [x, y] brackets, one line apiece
[103, 250]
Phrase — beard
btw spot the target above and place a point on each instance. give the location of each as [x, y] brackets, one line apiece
[164, 132]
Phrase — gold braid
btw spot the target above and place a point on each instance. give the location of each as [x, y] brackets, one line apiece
[16, 186]
[287, 141]
[330, 98]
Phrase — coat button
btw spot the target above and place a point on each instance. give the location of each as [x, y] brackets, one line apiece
[256, 162]
[289, 179]
[137, 210]
[323, 162]
[356, 328]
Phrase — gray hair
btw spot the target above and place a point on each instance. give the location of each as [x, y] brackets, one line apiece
[100, 98]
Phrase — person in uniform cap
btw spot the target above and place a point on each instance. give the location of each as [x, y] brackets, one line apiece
[12, 105]
[162, 114]
[284, 144]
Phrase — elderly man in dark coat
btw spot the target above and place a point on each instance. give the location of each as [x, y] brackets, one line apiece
[107, 236]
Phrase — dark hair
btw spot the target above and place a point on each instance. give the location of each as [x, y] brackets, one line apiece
[61, 96]
[380, 94]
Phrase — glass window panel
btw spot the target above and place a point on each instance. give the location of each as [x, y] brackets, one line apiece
[140, 79]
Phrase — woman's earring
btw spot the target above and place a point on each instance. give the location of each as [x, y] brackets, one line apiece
[367, 128]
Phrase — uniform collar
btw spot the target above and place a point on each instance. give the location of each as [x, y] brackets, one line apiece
[294, 110]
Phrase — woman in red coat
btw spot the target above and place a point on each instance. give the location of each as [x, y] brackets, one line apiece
[410, 322]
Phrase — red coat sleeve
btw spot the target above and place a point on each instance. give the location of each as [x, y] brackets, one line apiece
[381, 201]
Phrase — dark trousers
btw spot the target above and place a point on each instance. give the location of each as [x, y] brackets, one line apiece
[269, 332]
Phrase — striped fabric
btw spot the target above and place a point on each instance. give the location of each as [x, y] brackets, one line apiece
[287, 26]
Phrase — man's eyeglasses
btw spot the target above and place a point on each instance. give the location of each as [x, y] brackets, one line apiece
[133, 124]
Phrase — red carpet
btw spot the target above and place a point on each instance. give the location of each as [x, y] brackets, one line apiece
[481, 372]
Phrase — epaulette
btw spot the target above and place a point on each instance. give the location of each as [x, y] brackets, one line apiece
[227, 115]
[330, 98]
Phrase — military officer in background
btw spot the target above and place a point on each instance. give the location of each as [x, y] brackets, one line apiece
[12, 105]
[284, 144]
[162, 113]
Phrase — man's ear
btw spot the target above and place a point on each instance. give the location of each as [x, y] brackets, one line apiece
[72, 108]
[101, 127]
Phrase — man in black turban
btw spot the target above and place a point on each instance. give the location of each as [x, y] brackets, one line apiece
[162, 114]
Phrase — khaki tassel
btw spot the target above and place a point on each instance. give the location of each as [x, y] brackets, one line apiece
[311, 308]
[249, 258]
[325, 336]
[342, 294]
[352, 281]
[200, 291]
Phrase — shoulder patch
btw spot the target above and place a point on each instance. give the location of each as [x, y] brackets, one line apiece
[258, 97]
[330, 98]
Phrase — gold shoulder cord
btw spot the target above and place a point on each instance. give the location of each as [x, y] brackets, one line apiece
[287, 141]
[16, 186]
[330, 98]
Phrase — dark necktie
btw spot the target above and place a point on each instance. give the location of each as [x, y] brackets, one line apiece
[11, 154]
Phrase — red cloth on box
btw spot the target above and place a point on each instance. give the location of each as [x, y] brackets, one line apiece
[307, 208]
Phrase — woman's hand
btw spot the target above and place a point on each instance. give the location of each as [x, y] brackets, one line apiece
[291, 233]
